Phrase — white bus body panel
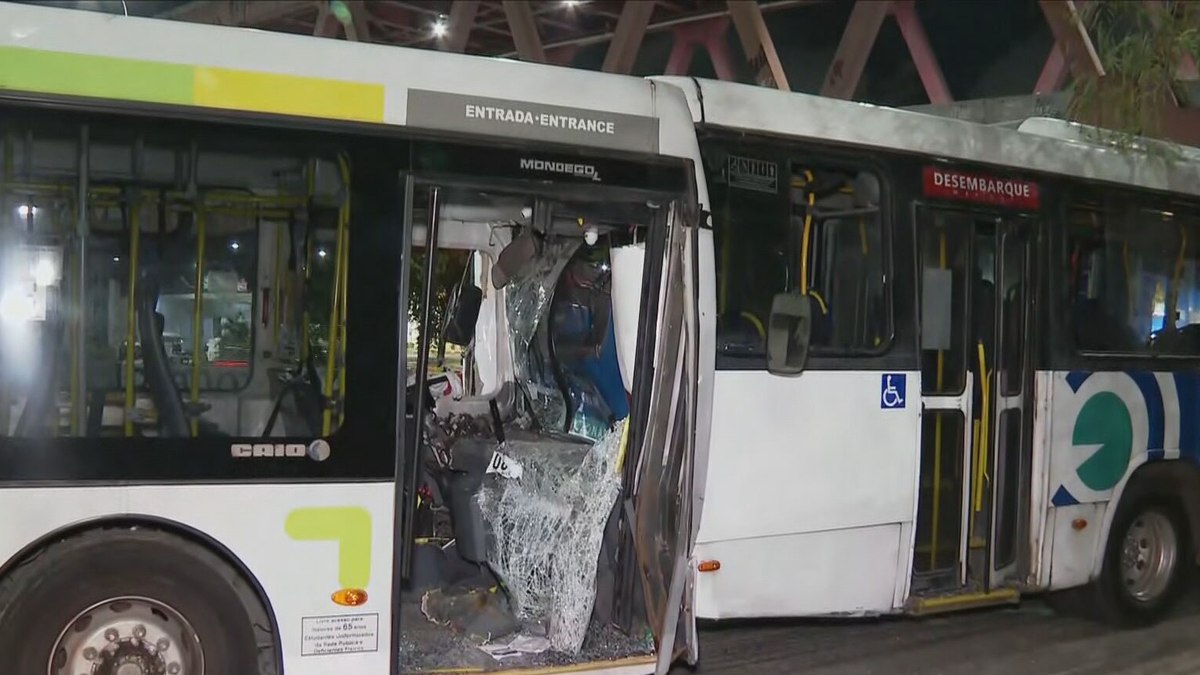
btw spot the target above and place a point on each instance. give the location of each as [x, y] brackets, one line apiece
[249, 521]
[812, 495]
[399, 70]
[767, 111]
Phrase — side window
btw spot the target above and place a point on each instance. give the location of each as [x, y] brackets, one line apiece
[789, 222]
[226, 321]
[836, 211]
[1133, 278]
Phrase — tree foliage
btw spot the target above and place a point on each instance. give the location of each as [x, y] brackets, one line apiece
[449, 265]
[1139, 46]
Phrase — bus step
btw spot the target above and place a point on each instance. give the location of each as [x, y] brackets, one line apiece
[962, 601]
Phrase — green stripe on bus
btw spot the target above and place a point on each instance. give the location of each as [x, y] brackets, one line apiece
[43, 72]
[349, 526]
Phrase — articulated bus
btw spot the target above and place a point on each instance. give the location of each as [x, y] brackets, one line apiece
[904, 364]
[199, 474]
[954, 363]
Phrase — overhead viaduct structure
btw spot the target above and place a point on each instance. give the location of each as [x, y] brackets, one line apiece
[769, 42]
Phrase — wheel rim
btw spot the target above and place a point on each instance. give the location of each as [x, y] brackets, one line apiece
[1148, 556]
[127, 636]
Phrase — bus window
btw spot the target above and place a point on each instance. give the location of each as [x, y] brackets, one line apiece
[791, 224]
[213, 288]
[1133, 279]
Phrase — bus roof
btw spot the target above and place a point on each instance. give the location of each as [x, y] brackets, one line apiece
[132, 60]
[1046, 146]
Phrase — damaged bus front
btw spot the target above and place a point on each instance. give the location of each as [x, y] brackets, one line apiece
[550, 410]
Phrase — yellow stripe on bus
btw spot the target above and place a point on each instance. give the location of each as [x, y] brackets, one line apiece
[287, 94]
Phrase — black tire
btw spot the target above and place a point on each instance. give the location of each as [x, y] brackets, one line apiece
[43, 595]
[1111, 600]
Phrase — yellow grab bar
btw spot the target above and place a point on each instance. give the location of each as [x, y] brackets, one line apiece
[198, 314]
[812, 200]
[131, 314]
[937, 429]
[344, 251]
[331, 359]
[981, 447]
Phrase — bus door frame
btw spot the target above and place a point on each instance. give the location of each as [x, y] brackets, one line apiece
[1009, 227]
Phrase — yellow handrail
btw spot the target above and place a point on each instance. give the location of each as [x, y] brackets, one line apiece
[131, 313]
[198, 315]
[335, 315]
[981, 455]
[344, 252]
[812, 200]
[937, 430]
[277, 284]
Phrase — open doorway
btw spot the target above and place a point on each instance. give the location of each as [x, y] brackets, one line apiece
[533, 313]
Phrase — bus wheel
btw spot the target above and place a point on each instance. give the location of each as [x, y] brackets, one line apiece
[1146, 562]
[125, 601]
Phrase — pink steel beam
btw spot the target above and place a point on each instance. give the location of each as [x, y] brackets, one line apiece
[458, 28]
[229, 13]
[1072, 38]
[523, 24]
[722, 60]
[359, 28]
[326, 25]
[757, 43]
[922, 54]
[709, 34]
[561, 56]
[627, 38]
[680, 60]
[857, 40]
[1054, 73]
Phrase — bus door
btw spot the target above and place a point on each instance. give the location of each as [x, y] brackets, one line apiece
[972, 514]
[448, 212]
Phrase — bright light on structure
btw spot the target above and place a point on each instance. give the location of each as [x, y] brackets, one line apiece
[16, 306]
[440, 28]
[570, 3]
[45, 272]
[321, 253]
[26, 210]
[234, 245]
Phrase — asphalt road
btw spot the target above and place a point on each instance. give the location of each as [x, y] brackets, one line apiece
[1026, 640]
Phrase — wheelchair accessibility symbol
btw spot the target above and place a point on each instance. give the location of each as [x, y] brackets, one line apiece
[891, 391]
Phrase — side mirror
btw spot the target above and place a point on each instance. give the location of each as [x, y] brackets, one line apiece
[789, 330]
[461, 315]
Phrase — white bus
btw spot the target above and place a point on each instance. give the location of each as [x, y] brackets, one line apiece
[990, 382]
[935, 356]
[200, 476]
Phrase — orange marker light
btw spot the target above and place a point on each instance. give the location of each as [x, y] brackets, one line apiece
[350, 597]
[1078, 523]
[709, 566]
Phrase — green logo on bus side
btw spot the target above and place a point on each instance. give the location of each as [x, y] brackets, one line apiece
[349, 526]
[1105, 424]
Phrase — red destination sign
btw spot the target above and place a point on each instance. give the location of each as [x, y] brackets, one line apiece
[981, 189]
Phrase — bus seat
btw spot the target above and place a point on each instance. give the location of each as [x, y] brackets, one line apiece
[460, 488]
[172, 419]
[39, 412]
[1097, 329]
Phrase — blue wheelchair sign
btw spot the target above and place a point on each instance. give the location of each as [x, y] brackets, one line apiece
[892, 391]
